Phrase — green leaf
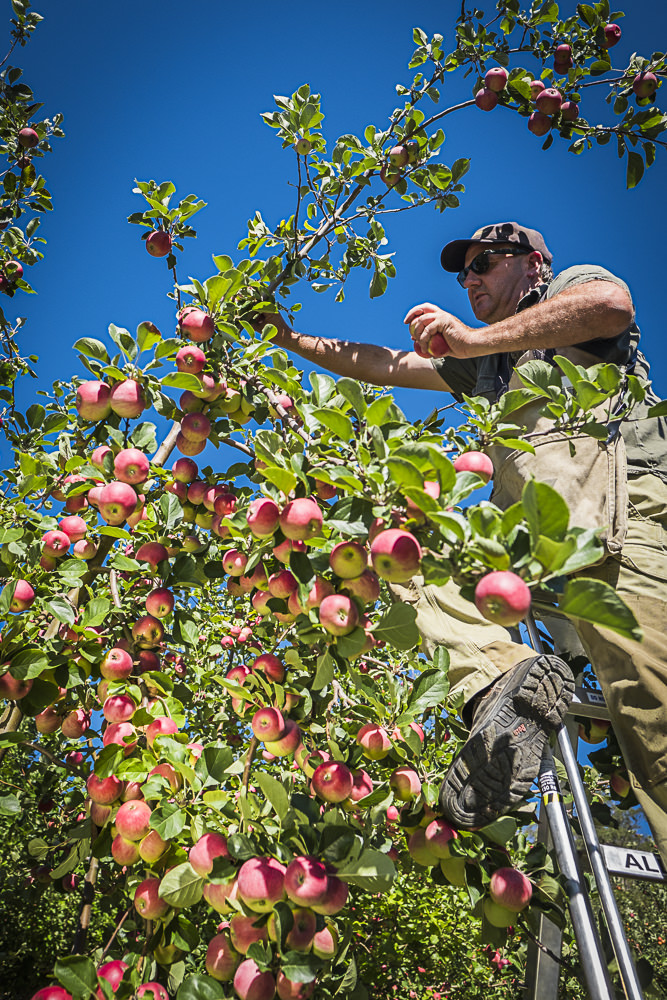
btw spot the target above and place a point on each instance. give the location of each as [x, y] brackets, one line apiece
[335, 421]
[77, 974]
[377, 411]
[213, 763]
[200, 987]
[351, 390]
[404, 472]
[274, 792]
[546, 511]
[658, 409]
[9, 805]
[148, 336]
[29, 663]
[61, 609]
[97, 610]
[181, 886]
[430, 689]
[596, 602]
[169, 820]
[635, 170]
[91, 348]
[373, 871]
[324, 673]
[397, 627]
[500, 831]
[181, 380]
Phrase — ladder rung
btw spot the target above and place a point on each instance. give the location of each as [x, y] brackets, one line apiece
[590, 704]
[631, 863]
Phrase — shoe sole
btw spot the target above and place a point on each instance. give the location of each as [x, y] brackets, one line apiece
[496, 768]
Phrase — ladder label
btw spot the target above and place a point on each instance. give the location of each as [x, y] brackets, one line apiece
[632, 863]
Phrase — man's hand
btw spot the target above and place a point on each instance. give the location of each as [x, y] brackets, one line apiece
[437, 333]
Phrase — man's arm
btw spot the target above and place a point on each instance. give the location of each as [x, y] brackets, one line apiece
[589, 311]
[367, 362]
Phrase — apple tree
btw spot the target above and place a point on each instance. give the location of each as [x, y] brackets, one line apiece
[202, 658]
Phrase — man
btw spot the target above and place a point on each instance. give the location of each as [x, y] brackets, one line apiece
[513, 696]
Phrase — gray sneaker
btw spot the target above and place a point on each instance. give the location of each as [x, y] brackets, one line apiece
[497, 766]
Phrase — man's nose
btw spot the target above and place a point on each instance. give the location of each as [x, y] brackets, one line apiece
[472, 280]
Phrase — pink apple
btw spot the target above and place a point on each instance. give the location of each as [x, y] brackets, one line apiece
[104, 791]
[221, 958]
[152, 991]
[437, 836]
[99, 454]
[116, 502]
[283, 551]
[405, 783]
[271, 666]
[127, 399]
[261, 883]
[124, 852]
[131, 466]
[197, 490]
[93, 400]
[268, 724]
[133, 819]
[362, 785]
[306, 881]
[502, 597]
[252, 984]
[209, 847]
[262, 517]
[287, 742]
[569, 111]
[152, 553]
[221, 895]
[113, 973]
[117, 665]
[539, 124]
[301, 519]
[325, 942]
[184, 470]
[224, 503]
[170, 775]
[148, 632]
[348, 560]
[335, 897]
[52, 993]
[234, 562]
[160, 602]
[162, 726]
[338, 614]
[282, 584]
[74, 527]
[486, 99]
[47, 721]
[196, 324]
[243, 931]
[23, 597]
[496, 78]
[511, 889]
[477, 462]
[644, 84]
[374, 741]
[290, 989]
[612, 34]
[122, 734]
[195, 427]
[332, 781]
[152, 847]
[191, 359]
[419, 850]
[75, 724]
[147, 901]
[158, 243]
[548, 101]
[396, 555]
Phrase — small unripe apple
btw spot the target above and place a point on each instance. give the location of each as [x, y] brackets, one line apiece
[158, 243]
[303, 146]
[496, 78]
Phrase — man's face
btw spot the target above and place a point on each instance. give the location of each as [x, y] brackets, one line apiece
[495, 295]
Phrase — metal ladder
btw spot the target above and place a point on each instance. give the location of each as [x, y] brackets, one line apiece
[542, 967]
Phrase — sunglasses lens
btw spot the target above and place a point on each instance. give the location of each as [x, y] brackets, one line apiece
[478, 265]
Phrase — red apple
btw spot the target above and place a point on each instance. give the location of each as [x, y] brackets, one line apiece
[133, 819]
[268, 724]
[374, 741]
[147, 901]
[437, 837]
[113, 973]
[477, 462]
[74, 527]
[243, 931]
[291, 989]
[122, 734]
[252, 984]
[486, 99]
[124, 852]
[152, 991]
[569, 111]
[538, 123]
[338, 614]
[162, 726]
[75, 724]
[395, 555]
[152, 553]
[23, 597]
[209, 847]
[196, 324]
[152, 847]
[405, 783]
[619, 784]
[116, 502]
[116, 665]
[365, 587]
[127, 399]
[496, 78]
[52, 993]
[221, 958]
[644, 84]
[332, 781]
[184, 470]
[261, 883]
[158, 243]
[195, 427]
[28, 138]
[287, 742]
[104, 791]
[131, 466]
[160, 602]
[271, 666]
[348, 560]
[301, 519]
[502, 597]
[306, 881]
[548, 102]
[511, 889]
[190, 359]
[148, 632]
[335, 897]
[93, 401]
[612, 35]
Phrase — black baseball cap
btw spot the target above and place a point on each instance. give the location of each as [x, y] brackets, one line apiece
[453, 254]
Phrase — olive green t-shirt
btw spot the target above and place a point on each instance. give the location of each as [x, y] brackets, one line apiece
[645, 437]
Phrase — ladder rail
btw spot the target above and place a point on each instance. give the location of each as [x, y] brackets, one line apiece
[613, 918]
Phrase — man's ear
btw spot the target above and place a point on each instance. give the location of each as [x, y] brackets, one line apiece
[534, 260]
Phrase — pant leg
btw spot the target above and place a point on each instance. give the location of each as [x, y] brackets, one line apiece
[633, 675]
[479, 650]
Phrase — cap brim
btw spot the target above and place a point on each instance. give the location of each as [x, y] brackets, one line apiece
[453, 255]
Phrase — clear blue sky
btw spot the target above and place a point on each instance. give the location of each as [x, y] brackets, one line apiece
[167, 90]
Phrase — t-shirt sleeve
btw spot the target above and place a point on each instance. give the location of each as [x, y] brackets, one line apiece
[459, 376]
[618, 349]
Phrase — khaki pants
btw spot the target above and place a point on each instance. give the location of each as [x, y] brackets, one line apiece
[632, 675]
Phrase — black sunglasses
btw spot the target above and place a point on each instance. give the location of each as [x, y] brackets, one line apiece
[481, 263]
